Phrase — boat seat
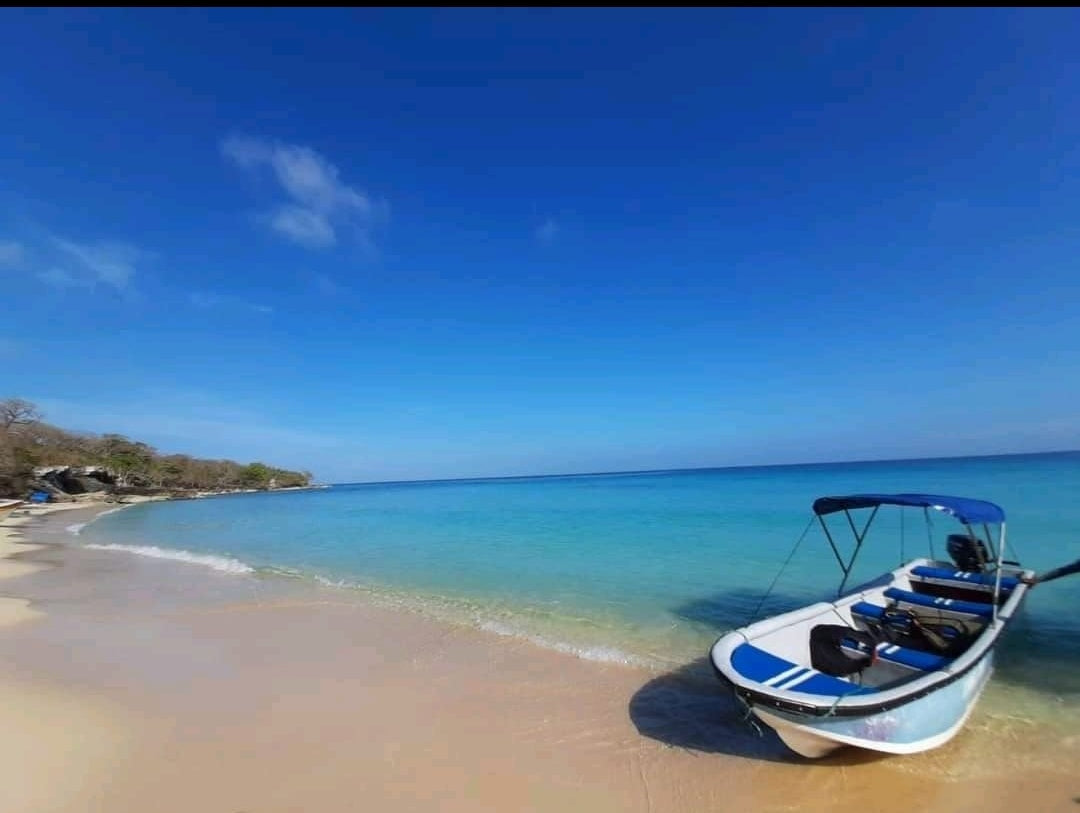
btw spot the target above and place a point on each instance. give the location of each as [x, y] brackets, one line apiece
[894, 653]
[944, 605]
[911, 658]
[779, 674]
[867, 611]
[965, 577]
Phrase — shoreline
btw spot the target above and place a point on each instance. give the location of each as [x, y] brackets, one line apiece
[288, 696]
[91, 498]
[14, 609]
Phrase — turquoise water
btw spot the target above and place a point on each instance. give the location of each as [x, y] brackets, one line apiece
[644, 567]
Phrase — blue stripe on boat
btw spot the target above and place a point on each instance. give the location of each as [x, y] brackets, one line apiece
[963, 576]
[938, 603]
[761, 666]
[925, 661]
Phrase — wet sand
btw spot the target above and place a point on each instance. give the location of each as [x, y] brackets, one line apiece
[136, 684]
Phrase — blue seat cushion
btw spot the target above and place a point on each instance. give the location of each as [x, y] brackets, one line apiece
[780, 674]
[938, 603]
[868, 610]
[913, 658]
[964, 577]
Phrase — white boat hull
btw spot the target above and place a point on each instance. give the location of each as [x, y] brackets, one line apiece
[918, 725]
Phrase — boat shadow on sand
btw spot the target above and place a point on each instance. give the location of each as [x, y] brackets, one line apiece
[690, 708]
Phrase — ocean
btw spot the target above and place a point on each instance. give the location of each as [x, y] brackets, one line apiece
[641, 568]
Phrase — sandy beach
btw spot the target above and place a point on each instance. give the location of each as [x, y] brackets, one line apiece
[134, 684]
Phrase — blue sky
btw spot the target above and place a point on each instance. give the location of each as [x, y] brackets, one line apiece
[409, 244]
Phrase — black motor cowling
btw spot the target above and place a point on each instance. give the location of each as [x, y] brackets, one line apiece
[968, 552]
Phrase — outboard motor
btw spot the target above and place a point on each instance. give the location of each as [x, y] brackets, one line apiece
[968, 552]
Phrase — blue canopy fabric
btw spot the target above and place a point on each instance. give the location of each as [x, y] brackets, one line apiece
[965, 509]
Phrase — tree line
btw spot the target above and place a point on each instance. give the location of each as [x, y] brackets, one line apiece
[27, 441]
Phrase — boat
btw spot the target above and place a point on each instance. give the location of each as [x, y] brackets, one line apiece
[897, 664]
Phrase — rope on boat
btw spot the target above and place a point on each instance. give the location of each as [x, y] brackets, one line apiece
[902, 513]
[1015, 550]
[776, 578]
[748, 714]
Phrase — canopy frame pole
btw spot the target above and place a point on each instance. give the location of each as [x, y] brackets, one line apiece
[832, 544]
[859, 537]
[997, 576]
[989, 540]
[902, 513]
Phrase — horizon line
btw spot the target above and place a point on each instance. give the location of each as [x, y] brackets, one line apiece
[697, 469]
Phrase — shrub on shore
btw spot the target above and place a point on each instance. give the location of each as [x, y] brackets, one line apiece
[27, 443]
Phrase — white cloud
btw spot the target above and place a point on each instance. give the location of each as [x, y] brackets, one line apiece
[63, 263]
[319, 203]
[303, 226]
[11, 254]
[547, 231]
[90, 264]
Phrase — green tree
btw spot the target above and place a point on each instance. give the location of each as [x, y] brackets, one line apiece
[127, 460]
[27, 441]
[256, 475]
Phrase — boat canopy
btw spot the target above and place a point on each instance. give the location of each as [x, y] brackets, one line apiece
[968, 511]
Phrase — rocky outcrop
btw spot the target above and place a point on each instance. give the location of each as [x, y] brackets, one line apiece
[62, 481]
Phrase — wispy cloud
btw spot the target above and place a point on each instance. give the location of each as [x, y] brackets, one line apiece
[318, 204]
[11, 254]
[547, 231]
[108, 263]
[207, 301]
[61, 278]
[72, 264]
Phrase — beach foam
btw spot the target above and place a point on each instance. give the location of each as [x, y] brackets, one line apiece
[598, 654]
[77, 528]
[223, 564]
[463, 612]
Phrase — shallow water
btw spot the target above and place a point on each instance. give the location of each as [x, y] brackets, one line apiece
[641, 568]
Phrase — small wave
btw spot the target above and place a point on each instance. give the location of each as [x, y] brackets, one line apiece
[457, 612]
[600, 654]
[222, 564]
[77, 528]
[281, 572]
